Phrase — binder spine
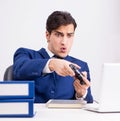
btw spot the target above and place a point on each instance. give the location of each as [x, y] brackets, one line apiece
[29, 112]
[29, 94]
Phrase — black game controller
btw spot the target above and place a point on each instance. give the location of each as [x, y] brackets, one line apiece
[77, 73]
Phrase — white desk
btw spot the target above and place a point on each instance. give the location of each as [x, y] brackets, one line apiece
[45, 114]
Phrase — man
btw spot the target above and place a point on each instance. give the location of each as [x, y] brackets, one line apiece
[49, 68]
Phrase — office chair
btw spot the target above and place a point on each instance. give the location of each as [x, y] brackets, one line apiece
[8, 75]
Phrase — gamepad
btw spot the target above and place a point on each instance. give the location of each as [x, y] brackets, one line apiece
[77, 73]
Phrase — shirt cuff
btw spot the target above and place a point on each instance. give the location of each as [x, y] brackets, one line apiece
[83, 97]
[46, 68]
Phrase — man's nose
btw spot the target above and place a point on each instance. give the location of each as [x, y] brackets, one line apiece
[64, 40]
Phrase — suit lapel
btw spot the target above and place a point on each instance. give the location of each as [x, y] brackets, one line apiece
[43, 53]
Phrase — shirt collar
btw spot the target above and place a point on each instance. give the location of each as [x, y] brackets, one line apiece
[49, 52]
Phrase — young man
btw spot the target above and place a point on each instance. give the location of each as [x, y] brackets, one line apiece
[49, 68]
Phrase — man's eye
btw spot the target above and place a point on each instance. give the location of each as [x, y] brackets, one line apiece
[70, 35]
[58, 34]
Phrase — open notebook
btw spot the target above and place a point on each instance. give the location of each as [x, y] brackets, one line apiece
[109, 97]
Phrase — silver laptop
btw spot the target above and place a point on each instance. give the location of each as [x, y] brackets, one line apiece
[109, 93]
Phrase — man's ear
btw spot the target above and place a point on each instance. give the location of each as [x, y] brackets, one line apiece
[47, 36]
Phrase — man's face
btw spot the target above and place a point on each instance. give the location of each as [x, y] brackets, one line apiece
[61, 40]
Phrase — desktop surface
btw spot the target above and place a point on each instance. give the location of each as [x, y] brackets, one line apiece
[42, 113]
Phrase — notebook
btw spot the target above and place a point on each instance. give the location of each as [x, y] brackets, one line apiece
[109, 97]
[62, 103]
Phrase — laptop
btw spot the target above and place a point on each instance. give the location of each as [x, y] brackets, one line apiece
[109, 97]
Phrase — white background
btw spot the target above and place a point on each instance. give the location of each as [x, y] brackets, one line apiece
[97, 37]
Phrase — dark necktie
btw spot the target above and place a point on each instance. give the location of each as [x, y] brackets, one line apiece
[55, 56]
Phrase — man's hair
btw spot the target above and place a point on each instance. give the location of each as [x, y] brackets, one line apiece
[59, 18]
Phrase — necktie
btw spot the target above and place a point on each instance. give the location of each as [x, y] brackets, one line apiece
[55, 56]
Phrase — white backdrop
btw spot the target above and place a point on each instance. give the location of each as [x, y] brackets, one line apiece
[97, 38]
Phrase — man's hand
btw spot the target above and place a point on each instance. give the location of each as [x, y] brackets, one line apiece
[81, 89]
[61, 67]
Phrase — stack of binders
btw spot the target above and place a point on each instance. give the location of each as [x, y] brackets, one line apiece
[17, 98]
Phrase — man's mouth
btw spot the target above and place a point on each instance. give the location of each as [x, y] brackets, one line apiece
[63, 49]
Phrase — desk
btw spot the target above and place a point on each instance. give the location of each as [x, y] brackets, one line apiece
[45, 114]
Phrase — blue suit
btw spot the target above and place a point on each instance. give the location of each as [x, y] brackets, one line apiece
[29, 64]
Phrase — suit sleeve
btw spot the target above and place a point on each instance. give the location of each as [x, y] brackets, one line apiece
[27, 65]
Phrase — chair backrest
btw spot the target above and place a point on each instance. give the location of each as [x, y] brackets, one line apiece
[8, 75]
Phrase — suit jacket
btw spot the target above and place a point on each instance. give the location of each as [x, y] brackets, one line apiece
[28, 65]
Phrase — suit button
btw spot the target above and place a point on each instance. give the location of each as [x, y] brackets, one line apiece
[52, 91]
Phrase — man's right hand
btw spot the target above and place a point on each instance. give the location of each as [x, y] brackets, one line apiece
[61, 67]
